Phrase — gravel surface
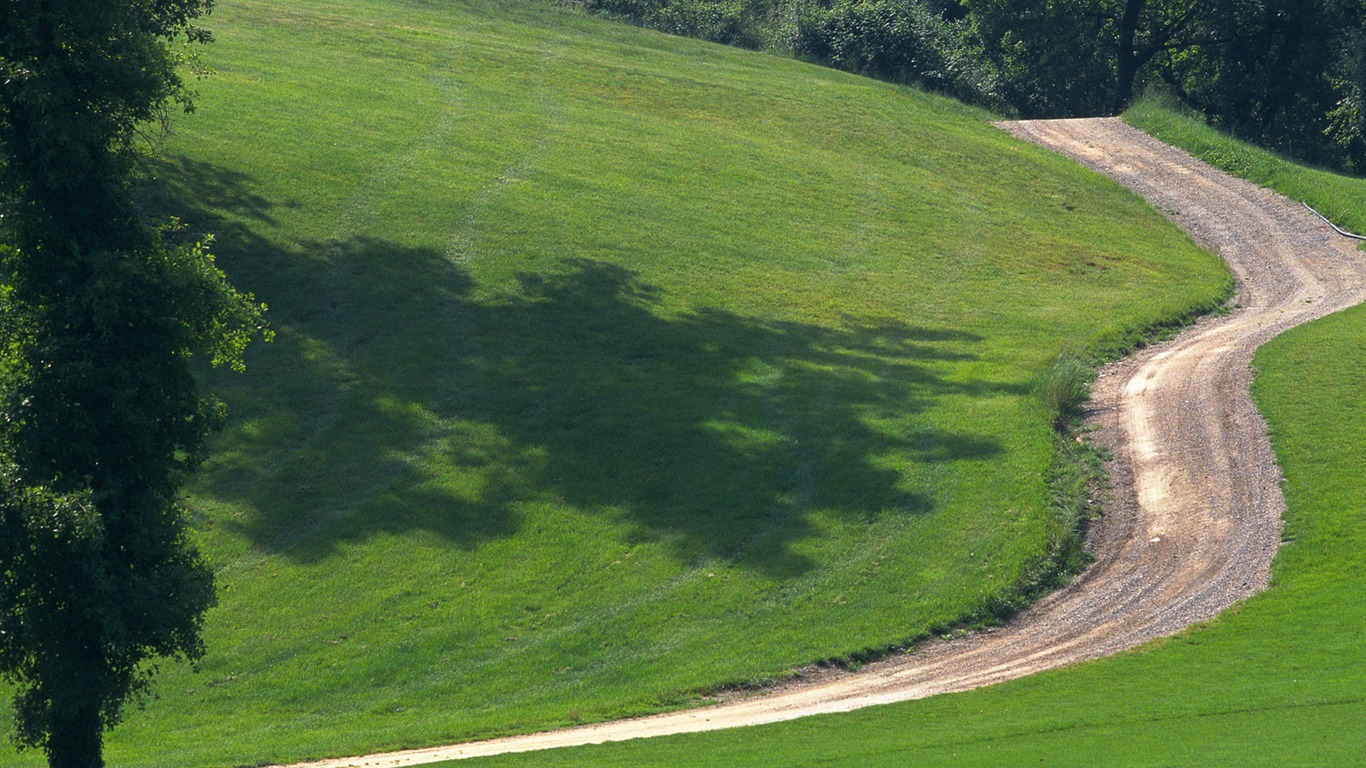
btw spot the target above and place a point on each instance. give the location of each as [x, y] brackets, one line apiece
[1195, 517]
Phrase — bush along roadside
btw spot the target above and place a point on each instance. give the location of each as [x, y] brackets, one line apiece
[742, 23]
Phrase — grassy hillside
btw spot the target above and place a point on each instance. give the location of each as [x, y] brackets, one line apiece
[611, 368]
[1277, 681]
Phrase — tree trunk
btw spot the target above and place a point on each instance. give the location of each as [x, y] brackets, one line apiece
[77, 741]
[1292, 33]
[1127, 59]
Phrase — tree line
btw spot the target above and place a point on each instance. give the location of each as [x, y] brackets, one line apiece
[1287, 74]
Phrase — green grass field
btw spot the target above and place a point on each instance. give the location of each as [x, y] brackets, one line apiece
[1277, 681]
[611, 368]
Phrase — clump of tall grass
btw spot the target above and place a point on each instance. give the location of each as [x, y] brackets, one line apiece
[1074, 480]
[1065, 386]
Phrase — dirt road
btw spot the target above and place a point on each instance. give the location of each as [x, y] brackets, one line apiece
[1196, 516]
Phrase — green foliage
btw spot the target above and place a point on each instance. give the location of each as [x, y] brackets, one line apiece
[1347, 120]
[1052, 58]
[1286, 74]
[101, 407]
[100, 415]
[902, 41]
[80, 79]
[1065, 385]
[74, 626]
[50, 543]
[742, 23]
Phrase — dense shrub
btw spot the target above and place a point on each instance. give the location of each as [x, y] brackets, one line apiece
[1285, 74]
[742, 23]
[903, 41]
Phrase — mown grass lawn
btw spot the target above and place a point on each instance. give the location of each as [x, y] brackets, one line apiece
[611, 368]
[1277, 681]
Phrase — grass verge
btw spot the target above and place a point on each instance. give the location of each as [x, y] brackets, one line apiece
[1338, 196]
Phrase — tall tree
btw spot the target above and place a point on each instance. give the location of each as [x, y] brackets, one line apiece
[1144, 29]
[1070, 57]
[1285, 73]
[100, 414]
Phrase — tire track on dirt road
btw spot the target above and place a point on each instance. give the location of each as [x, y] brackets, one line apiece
[1195, 517]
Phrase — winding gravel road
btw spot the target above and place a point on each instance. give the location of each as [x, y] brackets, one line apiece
[1196, 513]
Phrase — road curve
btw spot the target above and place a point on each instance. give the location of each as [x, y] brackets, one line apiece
[1196, 514]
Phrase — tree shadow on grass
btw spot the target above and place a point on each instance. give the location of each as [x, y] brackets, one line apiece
[400, 395]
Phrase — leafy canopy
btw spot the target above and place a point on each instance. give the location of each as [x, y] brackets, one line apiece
[100, 414]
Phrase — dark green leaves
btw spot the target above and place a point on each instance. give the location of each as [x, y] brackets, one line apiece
[100, 414]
